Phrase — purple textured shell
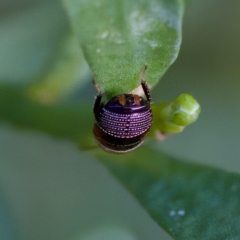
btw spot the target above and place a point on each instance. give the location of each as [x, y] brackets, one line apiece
[128, 121]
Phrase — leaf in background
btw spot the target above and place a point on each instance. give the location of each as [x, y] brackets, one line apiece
[72, 121]
[28, 41]
[67, 72]
[120, 37]
[188, 200]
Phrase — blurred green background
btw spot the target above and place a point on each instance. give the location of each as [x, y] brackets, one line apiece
[52, 190]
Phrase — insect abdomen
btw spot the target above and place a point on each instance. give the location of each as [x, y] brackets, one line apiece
[124, 125]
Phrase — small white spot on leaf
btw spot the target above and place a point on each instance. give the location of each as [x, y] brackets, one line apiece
[139, 24]
[151, 43]
[181, 213]
[104, 34]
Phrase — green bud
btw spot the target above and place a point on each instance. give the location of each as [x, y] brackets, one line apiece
[172, 117]
[185, 110]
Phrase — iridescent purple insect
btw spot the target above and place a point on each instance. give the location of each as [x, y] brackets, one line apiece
[122, 124]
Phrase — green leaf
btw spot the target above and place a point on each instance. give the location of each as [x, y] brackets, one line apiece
[120, 37]
[189, 201]
[65, 121]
